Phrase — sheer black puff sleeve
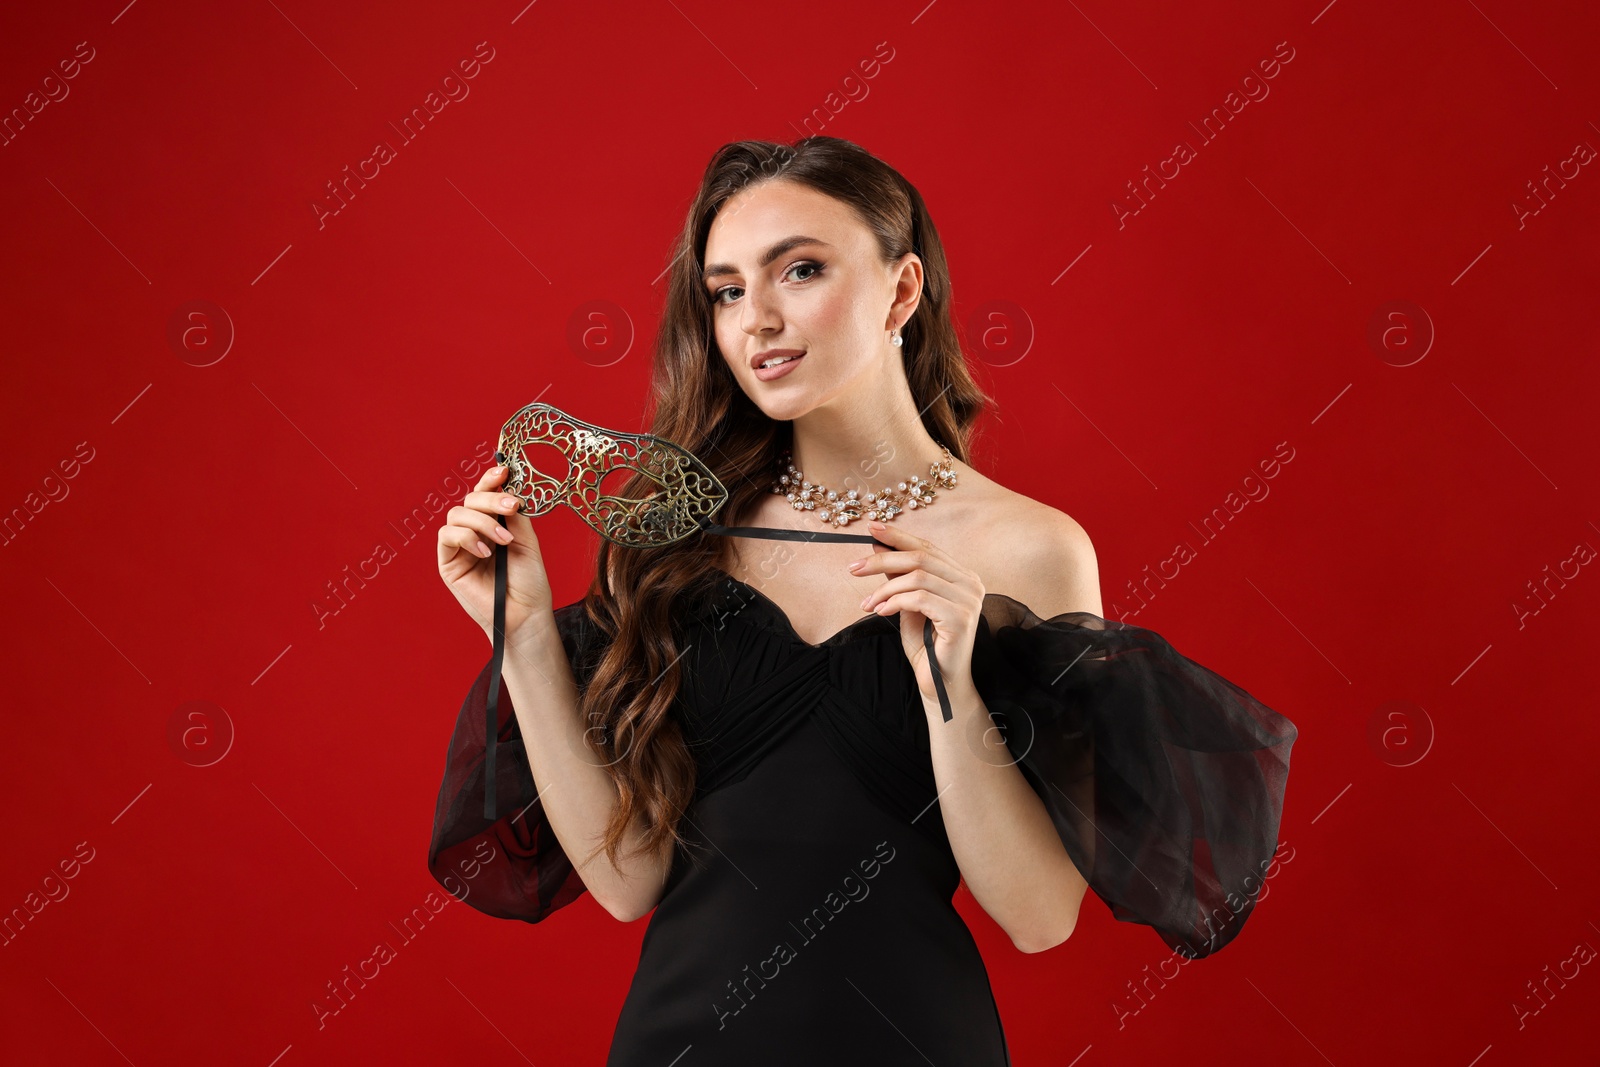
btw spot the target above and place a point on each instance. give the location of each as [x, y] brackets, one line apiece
[1165, 780]
[512, 868]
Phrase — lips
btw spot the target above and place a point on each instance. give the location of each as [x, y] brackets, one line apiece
[774, 353]
[791, 357]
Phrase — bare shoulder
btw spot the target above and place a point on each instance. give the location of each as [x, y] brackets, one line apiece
[1045, 558]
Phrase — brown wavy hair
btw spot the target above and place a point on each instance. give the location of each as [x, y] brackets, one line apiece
[697, 402]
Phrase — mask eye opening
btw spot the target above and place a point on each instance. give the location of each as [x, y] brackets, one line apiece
[542, 459]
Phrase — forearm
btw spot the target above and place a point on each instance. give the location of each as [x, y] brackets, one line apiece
[1009, 851]
[576, 791]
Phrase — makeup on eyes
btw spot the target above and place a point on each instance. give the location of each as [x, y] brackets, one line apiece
[816, 267]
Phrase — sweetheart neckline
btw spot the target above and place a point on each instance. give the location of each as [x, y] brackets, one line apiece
[788, 624]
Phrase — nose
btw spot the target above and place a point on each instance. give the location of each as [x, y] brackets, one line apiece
[758, 315]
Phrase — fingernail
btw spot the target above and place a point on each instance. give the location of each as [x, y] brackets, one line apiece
[858, 564]
[876, 525]
[502, 534]
[508, 502]
[864, 602]
[482, 549]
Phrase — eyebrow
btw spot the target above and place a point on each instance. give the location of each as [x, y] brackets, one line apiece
[787, 244]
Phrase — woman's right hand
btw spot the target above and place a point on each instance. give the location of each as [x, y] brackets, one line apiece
[466, 558]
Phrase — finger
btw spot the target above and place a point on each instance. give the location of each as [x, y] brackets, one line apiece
[491, 477]
[893, 561]
[502, 503]
[907, 582]
[491, 503]
[453, 539]
[925, 603]
[898, 539]
[482, 525]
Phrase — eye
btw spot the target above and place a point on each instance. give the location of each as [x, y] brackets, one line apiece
[805, 264]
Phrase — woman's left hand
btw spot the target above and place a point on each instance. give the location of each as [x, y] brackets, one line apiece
[925, 583]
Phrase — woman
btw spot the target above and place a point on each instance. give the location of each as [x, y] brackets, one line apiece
[746, 737]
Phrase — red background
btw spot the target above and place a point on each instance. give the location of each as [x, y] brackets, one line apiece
[374, 353]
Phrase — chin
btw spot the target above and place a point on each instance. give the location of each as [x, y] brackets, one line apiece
[783, 410]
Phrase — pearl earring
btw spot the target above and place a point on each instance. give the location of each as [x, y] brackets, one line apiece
[894, 338]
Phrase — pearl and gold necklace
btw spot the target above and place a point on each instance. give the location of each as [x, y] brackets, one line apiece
[841, 509]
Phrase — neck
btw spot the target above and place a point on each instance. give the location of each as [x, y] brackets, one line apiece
[864, 446]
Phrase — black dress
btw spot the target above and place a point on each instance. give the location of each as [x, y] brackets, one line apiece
[811, 919]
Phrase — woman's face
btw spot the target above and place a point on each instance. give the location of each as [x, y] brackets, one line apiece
[826, 292]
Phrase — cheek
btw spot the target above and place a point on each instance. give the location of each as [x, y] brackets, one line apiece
[835, 325]
[839, 313]
[727, 336]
